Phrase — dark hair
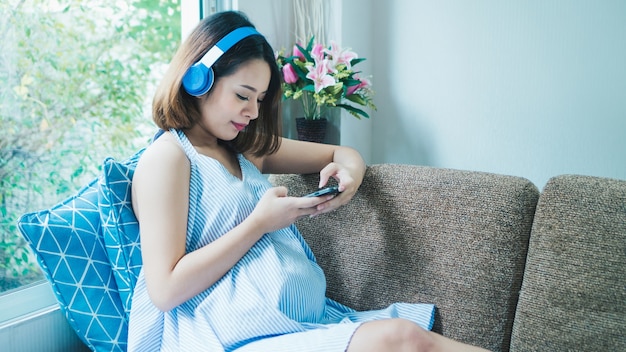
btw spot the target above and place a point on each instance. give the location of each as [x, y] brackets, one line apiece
[173, 107]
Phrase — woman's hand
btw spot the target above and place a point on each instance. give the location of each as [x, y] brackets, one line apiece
[349, 181]
[342, 163]
[275, 210]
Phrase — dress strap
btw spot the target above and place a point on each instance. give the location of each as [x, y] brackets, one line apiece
[190, 151]
[158, 134]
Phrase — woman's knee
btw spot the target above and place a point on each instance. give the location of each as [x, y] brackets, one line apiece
[410, 336]
[393, 335]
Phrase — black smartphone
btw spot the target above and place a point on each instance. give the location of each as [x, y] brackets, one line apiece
[324, 191]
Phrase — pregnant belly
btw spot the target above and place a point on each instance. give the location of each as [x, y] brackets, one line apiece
[292, 281]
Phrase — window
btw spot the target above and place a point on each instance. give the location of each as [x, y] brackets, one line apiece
[77, 82]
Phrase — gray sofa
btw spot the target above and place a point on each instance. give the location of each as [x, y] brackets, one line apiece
[508, 267]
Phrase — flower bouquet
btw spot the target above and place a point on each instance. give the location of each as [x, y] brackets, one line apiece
[323, 77]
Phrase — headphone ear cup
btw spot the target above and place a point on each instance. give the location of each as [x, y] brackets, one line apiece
[198, 79]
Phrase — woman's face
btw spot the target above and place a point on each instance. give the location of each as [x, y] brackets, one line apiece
[234, 100]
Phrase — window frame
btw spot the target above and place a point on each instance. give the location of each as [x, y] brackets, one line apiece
[21, 302]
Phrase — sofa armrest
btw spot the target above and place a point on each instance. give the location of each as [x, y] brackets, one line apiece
[454, 238]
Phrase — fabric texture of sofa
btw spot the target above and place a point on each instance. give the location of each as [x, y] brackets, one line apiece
[507, 266]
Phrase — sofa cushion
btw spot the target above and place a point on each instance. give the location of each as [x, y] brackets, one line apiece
[454, 238]
[120, 227]
[67, 242]
[574, 292]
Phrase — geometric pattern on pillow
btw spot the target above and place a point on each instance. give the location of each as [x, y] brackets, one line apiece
[67, 242]
[119, 224]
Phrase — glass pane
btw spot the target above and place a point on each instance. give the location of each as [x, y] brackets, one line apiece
[77, 79]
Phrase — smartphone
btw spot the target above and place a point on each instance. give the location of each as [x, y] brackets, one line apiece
[324, 191]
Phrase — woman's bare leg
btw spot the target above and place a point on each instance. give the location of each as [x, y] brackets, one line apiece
[402, 335]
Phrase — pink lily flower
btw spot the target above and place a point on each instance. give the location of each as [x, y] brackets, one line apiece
[340, 56]
[318, 52]
[319, 75]
[289, 74]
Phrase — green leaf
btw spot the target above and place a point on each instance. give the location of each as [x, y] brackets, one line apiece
[353, 62]
[79, 171]
[309, 46]
[351, 82]
[306, 52]
[354, 111]
[357, 99]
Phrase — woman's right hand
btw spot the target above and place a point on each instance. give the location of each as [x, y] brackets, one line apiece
[275, 210]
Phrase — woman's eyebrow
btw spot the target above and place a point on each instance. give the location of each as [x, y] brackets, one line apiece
[251, 88]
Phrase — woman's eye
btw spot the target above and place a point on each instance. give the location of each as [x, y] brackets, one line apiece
[241, 97]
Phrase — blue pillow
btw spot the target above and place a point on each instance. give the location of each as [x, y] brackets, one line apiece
[68, 244]
[119, 224]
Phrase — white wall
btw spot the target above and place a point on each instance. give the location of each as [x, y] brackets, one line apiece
[529, 88]
[358, 32]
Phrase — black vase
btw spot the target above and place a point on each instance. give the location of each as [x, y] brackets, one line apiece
[311, 130]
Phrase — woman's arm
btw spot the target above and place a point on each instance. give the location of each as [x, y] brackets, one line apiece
[161, 203]
[344, 164]
[298, 157]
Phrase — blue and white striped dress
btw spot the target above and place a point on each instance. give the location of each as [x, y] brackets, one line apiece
[273, 299]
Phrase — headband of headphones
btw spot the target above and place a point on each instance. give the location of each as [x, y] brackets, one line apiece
[199, 77]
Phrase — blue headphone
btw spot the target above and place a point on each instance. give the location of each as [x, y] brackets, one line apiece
[199, 77]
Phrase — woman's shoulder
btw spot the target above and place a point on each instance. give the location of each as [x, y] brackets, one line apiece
[164, 153]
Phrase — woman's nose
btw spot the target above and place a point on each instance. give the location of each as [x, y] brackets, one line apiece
[252, 109]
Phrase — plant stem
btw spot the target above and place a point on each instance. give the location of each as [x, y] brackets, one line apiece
[311, 109]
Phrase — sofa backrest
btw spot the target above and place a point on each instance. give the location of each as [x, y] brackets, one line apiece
[573, 295]
[454, 238]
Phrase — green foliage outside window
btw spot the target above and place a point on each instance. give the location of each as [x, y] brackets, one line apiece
[76, 82]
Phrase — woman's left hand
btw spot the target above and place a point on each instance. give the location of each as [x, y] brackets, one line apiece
[349, 182]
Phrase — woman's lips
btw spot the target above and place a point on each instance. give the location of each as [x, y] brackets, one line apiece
[239, 126]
